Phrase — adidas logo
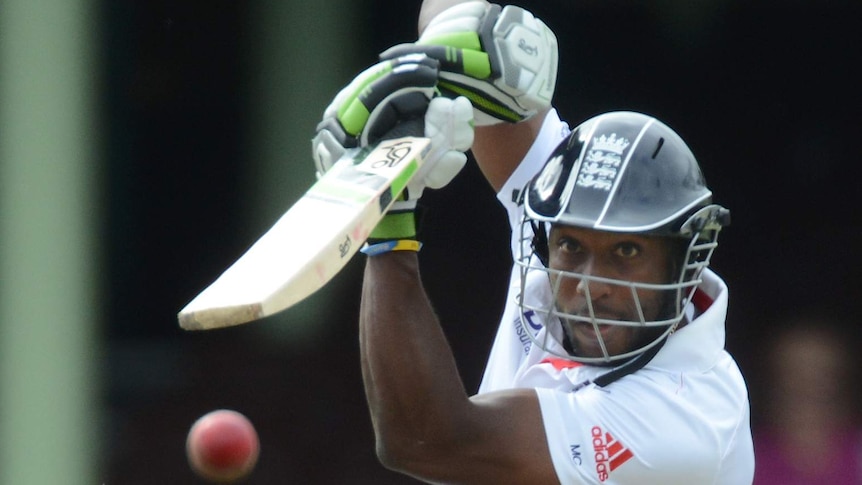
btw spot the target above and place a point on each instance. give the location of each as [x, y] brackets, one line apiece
[610, 453]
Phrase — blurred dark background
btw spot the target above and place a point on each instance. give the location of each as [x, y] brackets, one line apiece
[766, 94]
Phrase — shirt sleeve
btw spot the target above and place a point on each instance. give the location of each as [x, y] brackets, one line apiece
[552, 132]
[510, 343]
[616, 436]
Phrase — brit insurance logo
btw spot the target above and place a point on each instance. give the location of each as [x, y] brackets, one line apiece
[602, 162]
[610, 454]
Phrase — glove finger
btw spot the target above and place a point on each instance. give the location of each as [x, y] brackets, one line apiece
[399, 114]
[463, 33]
[466, 10]
[462, 131]
[468, 61]
[406, 74]
[445, 169]
[449, 123]
[326, 151]
[464, 72]
[356, 85]
[382, 96]
[400, 50]
[450, 120]
[331, 124]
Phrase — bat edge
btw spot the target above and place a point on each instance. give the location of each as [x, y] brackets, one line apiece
[219, 317]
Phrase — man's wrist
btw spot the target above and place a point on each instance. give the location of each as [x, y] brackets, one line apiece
[375, 249]
[395, 225]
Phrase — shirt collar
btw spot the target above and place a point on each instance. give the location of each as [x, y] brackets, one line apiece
[697, 345]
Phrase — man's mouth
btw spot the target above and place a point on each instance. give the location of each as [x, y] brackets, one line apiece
[588, 330]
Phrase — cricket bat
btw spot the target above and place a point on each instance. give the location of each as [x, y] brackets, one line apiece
[313, 240]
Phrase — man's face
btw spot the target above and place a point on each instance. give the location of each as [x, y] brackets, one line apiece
[627, 257]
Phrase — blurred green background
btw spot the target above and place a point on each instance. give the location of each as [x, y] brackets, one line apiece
[145, 144]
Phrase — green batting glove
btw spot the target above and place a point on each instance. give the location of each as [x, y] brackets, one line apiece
[378, 100]
[504, 60]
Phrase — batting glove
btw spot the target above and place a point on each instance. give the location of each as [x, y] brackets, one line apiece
[503, 59]
[396, 97]
[449, 126]
[380, 98]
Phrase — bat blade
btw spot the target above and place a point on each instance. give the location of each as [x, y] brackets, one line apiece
[312, 241]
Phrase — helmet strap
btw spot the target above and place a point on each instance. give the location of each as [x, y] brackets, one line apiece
[629, 367]
[540, 242]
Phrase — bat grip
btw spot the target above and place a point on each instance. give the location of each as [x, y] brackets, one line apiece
[414, 127]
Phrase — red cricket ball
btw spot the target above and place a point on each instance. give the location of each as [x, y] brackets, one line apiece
[222, 446]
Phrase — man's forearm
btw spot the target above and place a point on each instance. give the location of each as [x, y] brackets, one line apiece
[411, 379]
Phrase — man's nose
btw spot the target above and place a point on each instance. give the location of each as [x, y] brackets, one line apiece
[588, 286]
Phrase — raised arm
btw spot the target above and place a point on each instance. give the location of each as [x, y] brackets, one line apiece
[425, 423]
[498, 149]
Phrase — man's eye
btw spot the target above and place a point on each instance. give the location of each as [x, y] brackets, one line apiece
[628, 250]
[568, 245]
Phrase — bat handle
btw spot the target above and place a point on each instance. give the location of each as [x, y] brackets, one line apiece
[414, 127]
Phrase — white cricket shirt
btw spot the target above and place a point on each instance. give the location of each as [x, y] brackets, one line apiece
[682, 419]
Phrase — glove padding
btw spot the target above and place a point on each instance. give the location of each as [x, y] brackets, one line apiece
[394, 98]
[449, 126]
[503, 59]
[388, 94]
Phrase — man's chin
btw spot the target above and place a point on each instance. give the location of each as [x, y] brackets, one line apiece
[587, 342]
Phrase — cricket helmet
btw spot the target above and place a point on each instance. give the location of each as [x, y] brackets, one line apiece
[621, 172]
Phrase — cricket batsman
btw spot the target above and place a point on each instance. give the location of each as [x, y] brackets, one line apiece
[608, 365]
